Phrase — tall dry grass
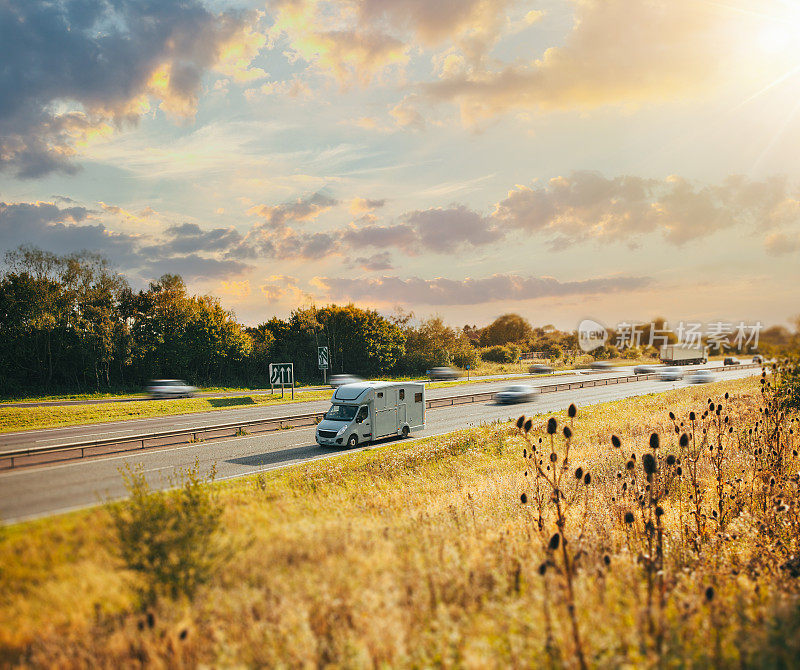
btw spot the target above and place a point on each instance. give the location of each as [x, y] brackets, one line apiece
[669, 553]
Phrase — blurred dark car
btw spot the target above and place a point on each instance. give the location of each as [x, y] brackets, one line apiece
[540, 369]
[758, 358]
[442, 374]
[644, 369]
[170, 388]
[516, 393]
[731, 360]
[335, 381]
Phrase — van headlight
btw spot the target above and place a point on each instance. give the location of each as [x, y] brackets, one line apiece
[341, 430]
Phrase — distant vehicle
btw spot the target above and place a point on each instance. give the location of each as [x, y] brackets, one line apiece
[600, 365]
[516, 393]
[670, 374]
[368, 411]
[701, 377]
[539, 369]
[675, 354]
[758, 358]
[336, 381]
[731, 360]
[170, 388]
[442, 374]
[644, 369]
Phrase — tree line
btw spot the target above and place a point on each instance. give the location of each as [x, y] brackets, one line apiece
[71, 323]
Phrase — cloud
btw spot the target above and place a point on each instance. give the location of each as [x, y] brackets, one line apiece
[302, 209]
[357, 41]
[588, 206]
[194, 267]
[445, 230]
[62, 230]
[496, 288]
[277, 286]
[373, 263]
[619, 52]
[190, 238]
[72, 70]
[779, 244]
[360, 206]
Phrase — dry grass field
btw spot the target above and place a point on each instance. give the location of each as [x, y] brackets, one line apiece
[545, 545]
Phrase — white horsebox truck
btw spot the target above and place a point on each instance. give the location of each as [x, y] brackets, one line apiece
[367, 411]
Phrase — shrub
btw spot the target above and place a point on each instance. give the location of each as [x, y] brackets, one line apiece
[170, 539]
[501, 354]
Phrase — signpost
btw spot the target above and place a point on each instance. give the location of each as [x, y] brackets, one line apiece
[467, 371]
[283, 374]
[322, 359]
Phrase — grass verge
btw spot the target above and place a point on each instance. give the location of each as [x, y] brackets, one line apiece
[422, 554]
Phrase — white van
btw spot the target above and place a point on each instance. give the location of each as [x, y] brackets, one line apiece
[368, 411]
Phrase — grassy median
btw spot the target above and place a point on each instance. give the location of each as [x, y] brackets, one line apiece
[446, 552]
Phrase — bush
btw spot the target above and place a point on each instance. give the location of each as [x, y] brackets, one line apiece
[170, 539]
[498, 354]
[466, 356]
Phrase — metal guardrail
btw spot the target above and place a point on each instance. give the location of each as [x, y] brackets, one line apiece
[15, 458]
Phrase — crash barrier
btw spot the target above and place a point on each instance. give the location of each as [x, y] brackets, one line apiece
[26, 456]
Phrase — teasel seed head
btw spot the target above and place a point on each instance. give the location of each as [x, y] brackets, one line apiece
[654, 441]
[552, 425]
[554, 542]
[567, 432]
[684, 441]
[649, 464]
[615, 442]
[629, 518]
[578, 473]
[528, 425]
[520, 421]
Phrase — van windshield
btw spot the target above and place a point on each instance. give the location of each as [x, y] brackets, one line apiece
[341, 413]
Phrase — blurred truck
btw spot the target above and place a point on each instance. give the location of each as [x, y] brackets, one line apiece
[676, 354]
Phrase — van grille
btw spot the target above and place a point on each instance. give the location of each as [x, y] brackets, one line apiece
[327, 433]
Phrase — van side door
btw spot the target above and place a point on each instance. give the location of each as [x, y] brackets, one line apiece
[364, 424]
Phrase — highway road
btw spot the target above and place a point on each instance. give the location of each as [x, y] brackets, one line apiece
[119, 429]
[46, 490]
[239, 394]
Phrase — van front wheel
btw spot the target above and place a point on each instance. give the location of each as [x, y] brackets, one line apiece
[353, 441]
[405, 432]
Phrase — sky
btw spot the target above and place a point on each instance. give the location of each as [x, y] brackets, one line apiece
[563, 159]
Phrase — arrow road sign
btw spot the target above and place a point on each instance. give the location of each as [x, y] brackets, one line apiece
[322, 357]
[280, 373]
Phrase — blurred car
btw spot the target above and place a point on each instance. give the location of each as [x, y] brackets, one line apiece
[516, 393]
[442, 374]
[644, 369]
[600, 365]
[701, 377]
[670, 374]
[170, 388]
[336, 381]
[731, 360]
[540, 369]
[758, 359]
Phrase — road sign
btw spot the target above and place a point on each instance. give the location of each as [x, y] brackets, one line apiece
[322, 357]
[281, 373]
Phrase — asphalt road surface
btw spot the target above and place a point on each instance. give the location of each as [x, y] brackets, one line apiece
[239, 394]
[119, 429]
[46, 490]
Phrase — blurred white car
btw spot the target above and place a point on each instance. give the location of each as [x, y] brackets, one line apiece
[600, 365]
[170, 388]
[516, 393]
[336, 381]
[670, 374]
[701, 377]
